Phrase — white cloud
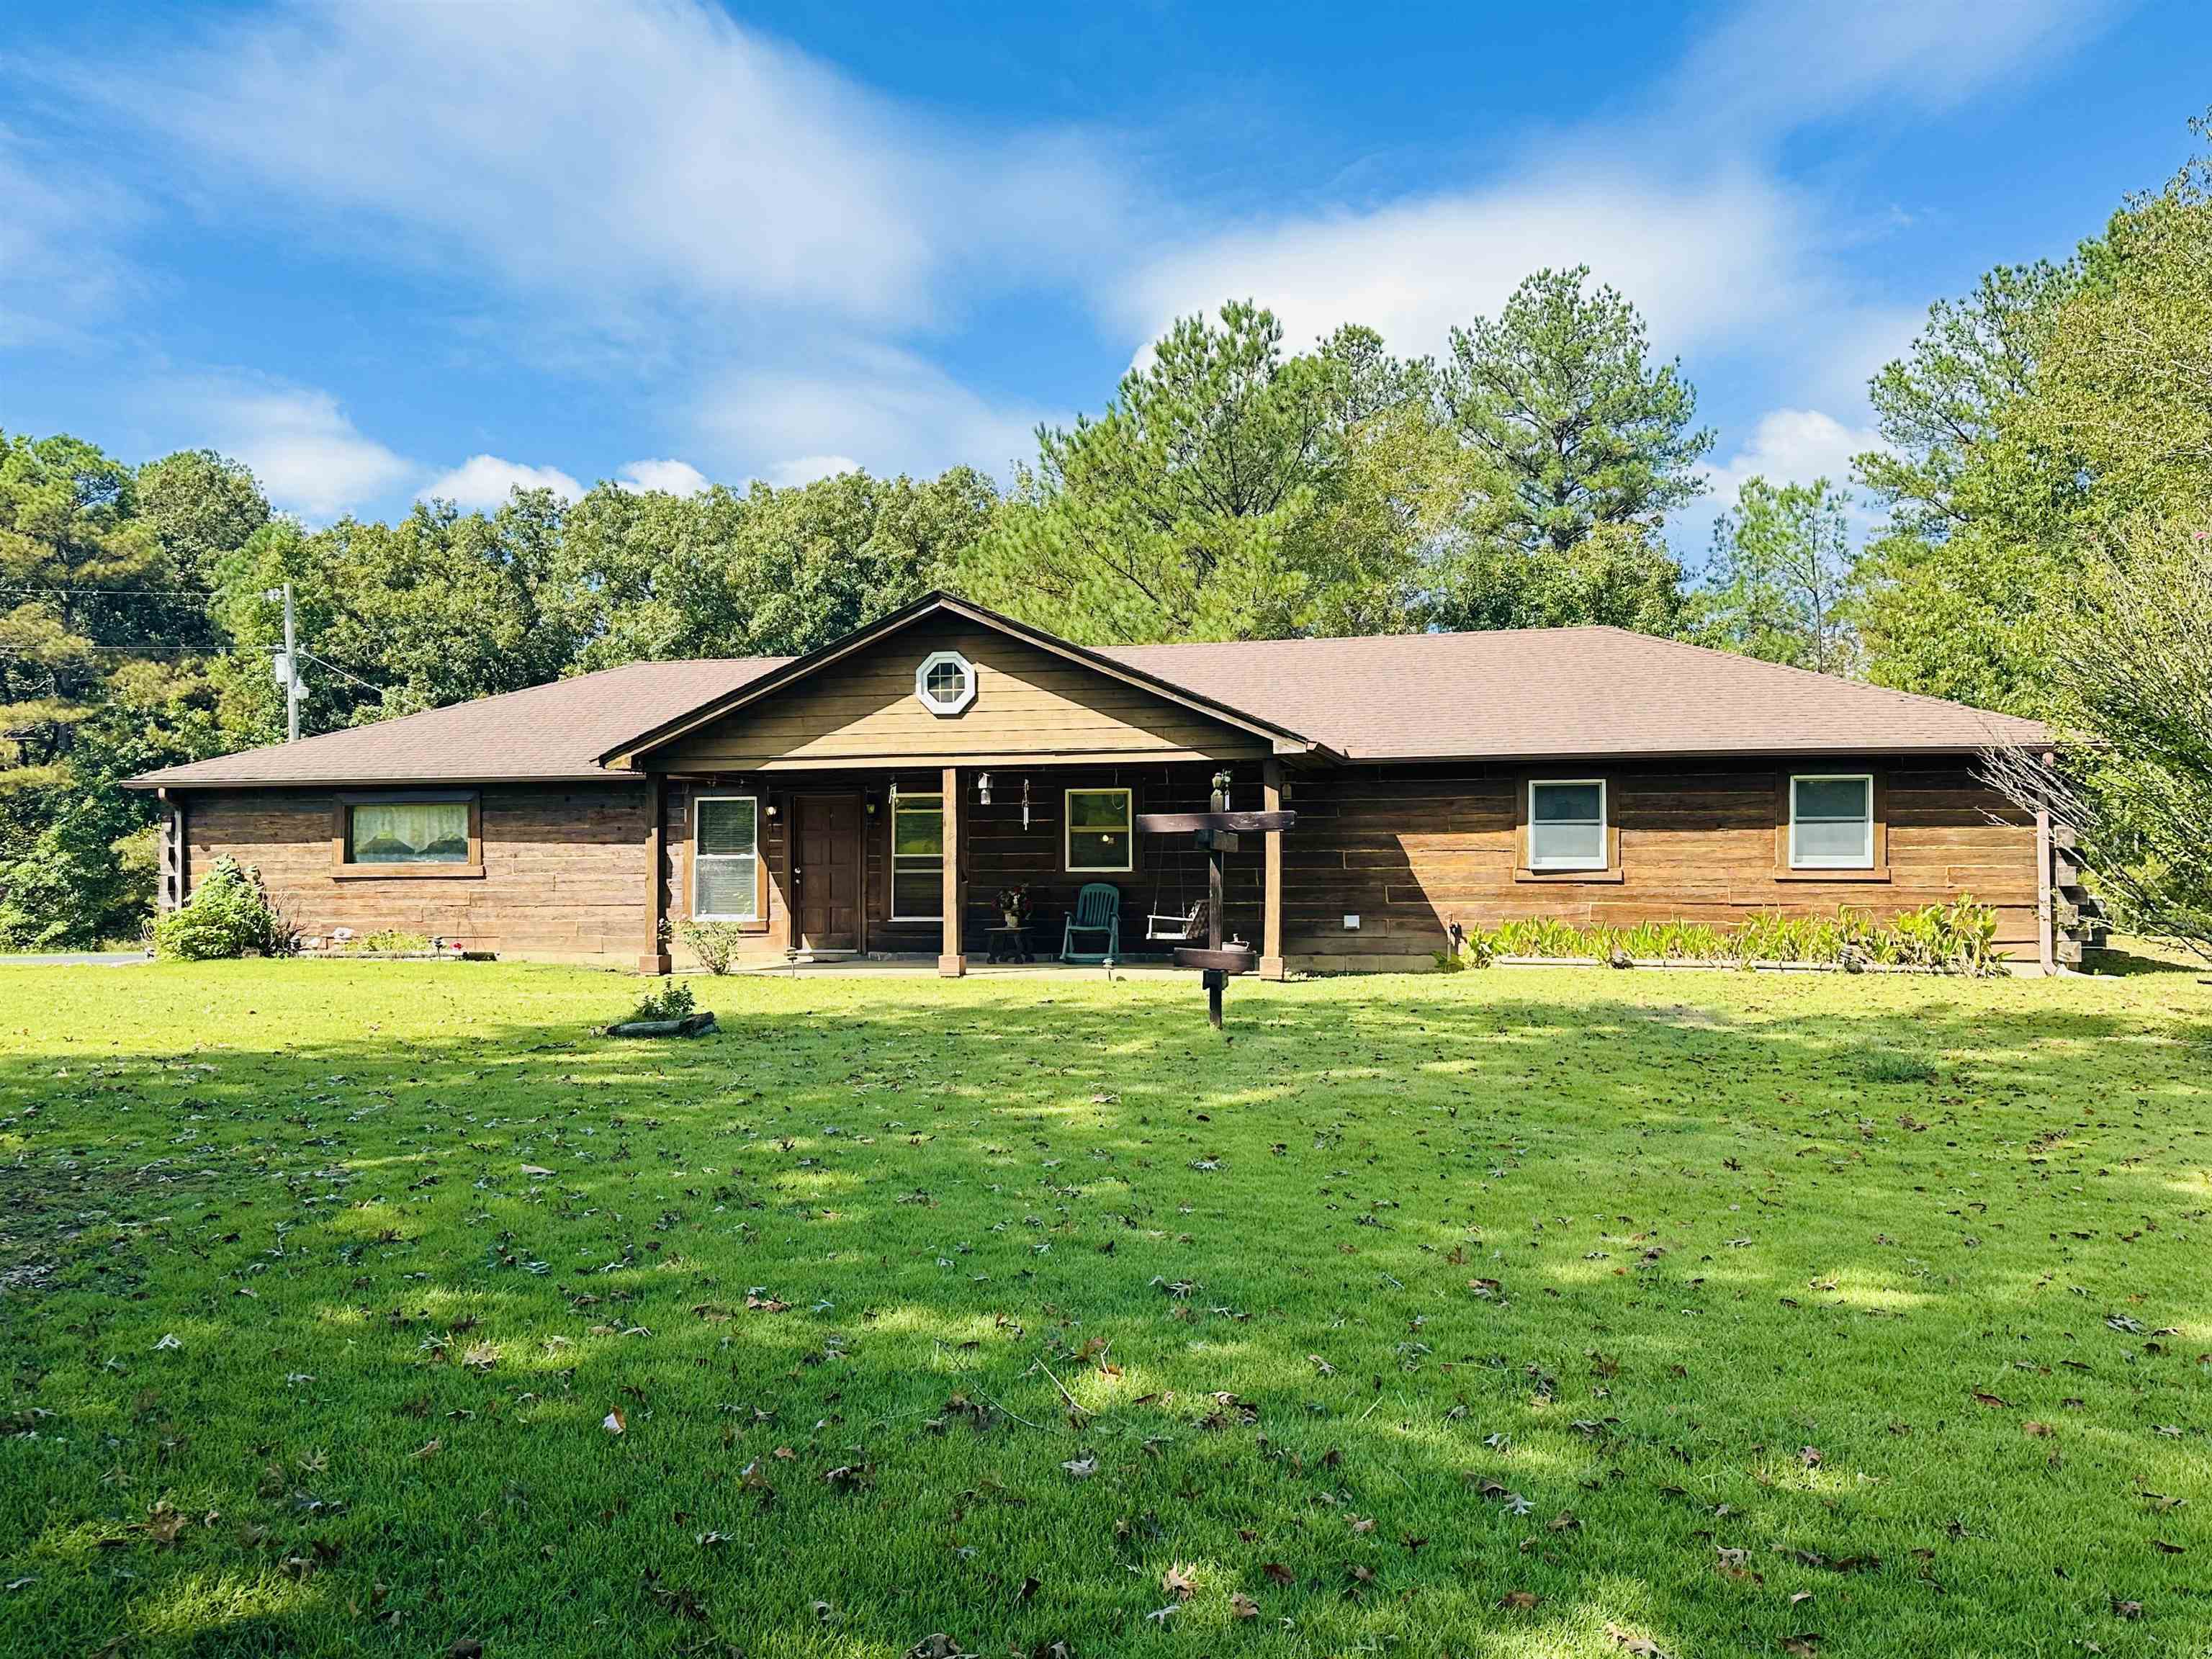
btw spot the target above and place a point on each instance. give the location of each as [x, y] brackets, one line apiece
[309, 456]
[894, 411]
[482, 483]
[806, 469]
[672, 476]
[1702, 262]
[633, 150]
[58, 269]
[1787, 447]
[1770, 67]
[1681, 205]
[1794, 446]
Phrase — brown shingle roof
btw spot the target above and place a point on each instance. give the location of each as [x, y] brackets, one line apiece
[1525, 694]
[548, 733]
[1559, 692]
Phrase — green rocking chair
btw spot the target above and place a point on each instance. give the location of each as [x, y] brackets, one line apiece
[1097, 910]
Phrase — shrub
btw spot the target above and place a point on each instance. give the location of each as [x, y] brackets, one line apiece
[1958, 937]
[229, 915]
[391, 941]
[672, 1001]
[714, 942]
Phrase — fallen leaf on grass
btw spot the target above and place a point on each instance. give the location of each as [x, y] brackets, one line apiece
[1641, 1646]
[1082, 1469]
[1279, 1573]
[614, 1422]
[1243, 1605]
[1518, 1600]
[1177, 1582]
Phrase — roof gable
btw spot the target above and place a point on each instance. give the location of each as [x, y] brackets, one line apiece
[1040, 696]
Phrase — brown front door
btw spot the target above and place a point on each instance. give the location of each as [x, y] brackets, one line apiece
[826, 870]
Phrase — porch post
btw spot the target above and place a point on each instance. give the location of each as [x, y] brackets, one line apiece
[654, 959]
[1271, 923]
[950, 963]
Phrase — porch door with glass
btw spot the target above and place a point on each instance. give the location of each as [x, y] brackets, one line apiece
[826, 870]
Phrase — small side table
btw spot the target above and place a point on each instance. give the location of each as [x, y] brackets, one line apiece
[1008, 943]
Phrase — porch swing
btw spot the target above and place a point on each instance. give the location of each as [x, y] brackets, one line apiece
[1178, 927]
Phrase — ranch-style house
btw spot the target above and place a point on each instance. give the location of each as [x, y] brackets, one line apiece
[872, 798]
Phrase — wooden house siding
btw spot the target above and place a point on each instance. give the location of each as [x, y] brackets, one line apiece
[564, 869]
[1410, 850]
[1032, 706]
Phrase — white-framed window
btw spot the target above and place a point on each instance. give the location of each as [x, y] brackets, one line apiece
[1566, 823]
[1099, 839]
[726, 858]
[945, 682]
[918, 858]
[1831, 821]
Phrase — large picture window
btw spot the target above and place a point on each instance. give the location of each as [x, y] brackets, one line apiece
[408, 832]
[1566, 825]
[1831, 822]
[1099, 841]
[726, 859]
[918, 858]
[419, 833]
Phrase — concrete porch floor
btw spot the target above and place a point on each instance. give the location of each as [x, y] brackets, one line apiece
[925, 966]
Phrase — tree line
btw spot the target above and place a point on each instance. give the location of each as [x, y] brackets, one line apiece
[2045, 441]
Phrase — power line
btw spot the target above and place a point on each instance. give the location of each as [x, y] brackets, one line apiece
[115, 592]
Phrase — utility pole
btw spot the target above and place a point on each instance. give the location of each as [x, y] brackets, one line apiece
[288, 665]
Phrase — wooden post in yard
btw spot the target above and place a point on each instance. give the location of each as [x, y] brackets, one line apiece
[1215, 979]
[2047, 901]
[654, 959]
[951, 963]
[1272, 965]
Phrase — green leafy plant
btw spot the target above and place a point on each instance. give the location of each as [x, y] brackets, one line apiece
[673, 1001]
[229, 915]
[715, 944]
[1958, 937]
[392, 942]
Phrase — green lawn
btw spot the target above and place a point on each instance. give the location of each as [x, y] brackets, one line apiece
[1513, 1312]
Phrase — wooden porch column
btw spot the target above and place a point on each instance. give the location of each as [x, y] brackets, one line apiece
[1271, 922]
[654, 959]
[951, 963]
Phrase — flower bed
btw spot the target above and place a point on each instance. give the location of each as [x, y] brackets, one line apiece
[1958, 937]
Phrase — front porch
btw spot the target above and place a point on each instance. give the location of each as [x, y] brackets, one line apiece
[900, 869]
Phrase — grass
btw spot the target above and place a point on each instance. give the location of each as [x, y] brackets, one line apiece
[1511, 1313]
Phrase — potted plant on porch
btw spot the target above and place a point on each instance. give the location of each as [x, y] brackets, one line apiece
[1014, 905]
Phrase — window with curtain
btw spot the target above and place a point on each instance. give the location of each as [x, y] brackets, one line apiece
[1566, 825]
[1832, 823]
[408, 832]
[1099, 831]
[918, 858]
[726, 859]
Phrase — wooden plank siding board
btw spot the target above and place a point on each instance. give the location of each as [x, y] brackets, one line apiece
[1411, 851]
[1027, 703]
[564, 873]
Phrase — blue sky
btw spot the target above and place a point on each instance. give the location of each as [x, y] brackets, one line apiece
[383, 250]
